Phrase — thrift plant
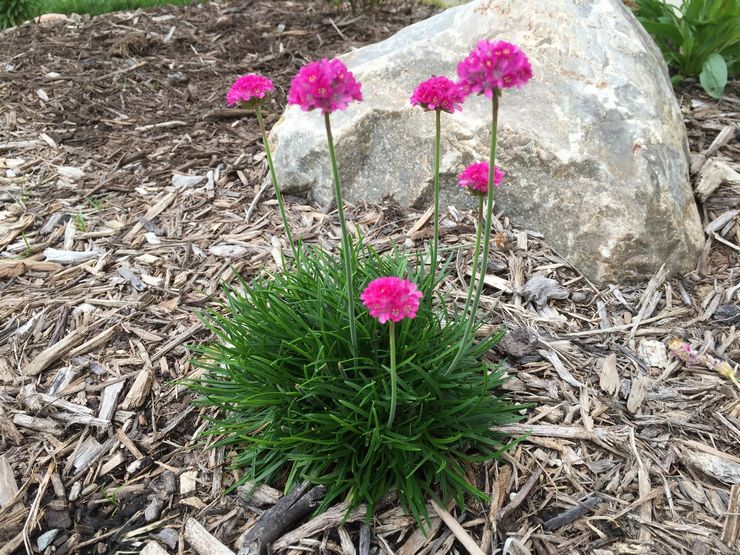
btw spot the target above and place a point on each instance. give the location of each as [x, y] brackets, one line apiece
[341, 370]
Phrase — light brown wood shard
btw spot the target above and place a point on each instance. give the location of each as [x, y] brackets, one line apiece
[731, 528]
[202, 541]
[56, 351]
[609, 379]
[109, 401]
[15, 268]
[457, 530]
[139, 391]
[638, 393]
[153, 548]
[8, 485]
[420, 538]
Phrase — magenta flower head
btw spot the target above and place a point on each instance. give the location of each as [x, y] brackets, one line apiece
[438, 93]
[250, 89]
[493, 65]
[327, 85]
[391, 298]
[474, 178]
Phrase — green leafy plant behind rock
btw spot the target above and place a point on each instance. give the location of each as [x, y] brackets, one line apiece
[355, 371]
[15, 12]
[701, 39]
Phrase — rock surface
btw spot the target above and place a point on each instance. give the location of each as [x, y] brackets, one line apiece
[594, 147]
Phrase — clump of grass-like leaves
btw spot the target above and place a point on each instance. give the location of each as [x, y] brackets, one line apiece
[297, 405]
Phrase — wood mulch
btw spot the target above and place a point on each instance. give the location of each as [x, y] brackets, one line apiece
[127, 194]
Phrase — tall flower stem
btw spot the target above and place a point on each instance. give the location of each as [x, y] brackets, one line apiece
[394, 376]
[487, 232]
[435, 238]
[476, 253]
[273, 178]
[346, 239]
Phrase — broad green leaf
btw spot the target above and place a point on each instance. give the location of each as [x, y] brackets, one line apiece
[713, 75]
[665, 31]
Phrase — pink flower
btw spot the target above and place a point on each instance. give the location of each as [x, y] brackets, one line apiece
[493, 65]
[326, 84]
[474, 178]
[438, 93]
[391, 298]
[250, 88]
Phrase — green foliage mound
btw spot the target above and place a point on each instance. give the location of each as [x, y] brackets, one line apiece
[15, 12]
[702, 40]
[298, 405]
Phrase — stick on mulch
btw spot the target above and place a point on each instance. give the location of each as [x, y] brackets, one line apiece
[280, 518]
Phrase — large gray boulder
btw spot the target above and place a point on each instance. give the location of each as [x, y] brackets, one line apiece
[594, 147]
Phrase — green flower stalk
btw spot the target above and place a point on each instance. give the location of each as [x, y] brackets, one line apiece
[476, 252]
[347, 246]
[276, 187]
[475, 179]
[438, 94]
[328, 85]
[489, 68]
[394, 374]
[391, 299]
[249, 91]
[489, 219]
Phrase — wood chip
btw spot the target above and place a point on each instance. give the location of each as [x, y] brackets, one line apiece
[731, 527]
[330, 519]
[718, 465]
[609, 379]
[8, 485]
[259, 495]
[139, 391]
[638, 393]
[562, 371]
[56, 351]
[69, 257]
[153, 548]
[202, 541]
[713, 174]
[15, 268]
[458, 531]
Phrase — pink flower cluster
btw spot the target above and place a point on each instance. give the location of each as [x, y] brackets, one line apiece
[474, 178]
[438, 93]
[326, 85]
[391, 298]
[493, 65]
[249, 88]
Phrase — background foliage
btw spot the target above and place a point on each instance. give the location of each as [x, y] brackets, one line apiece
[15, 12]
[702, 40]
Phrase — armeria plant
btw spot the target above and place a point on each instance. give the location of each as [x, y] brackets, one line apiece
[342, 371]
